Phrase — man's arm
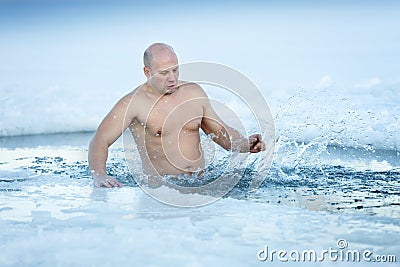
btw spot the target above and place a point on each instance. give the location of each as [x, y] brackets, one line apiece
[109, 130]
[226, 136]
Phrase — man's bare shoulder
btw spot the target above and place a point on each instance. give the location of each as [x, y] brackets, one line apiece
[136, 94]
[130, 101]
[192, 89]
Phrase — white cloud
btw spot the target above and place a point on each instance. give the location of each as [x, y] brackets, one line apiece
[324, 82]
[369, 83]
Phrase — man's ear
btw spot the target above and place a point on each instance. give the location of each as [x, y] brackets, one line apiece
[146, 71]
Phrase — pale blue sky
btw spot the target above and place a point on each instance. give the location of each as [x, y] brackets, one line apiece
[289, 44]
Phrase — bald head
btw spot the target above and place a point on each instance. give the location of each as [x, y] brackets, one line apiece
[154, 49]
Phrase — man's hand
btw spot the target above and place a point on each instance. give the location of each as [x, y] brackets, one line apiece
[105, 181]
[256, 144]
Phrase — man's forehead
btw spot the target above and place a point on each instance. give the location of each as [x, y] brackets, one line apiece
[160, 65]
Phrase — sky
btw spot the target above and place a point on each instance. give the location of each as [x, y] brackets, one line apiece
[278, 44]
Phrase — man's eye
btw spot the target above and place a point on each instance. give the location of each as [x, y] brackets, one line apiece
[163, 72]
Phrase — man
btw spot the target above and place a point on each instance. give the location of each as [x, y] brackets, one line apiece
[164, 116]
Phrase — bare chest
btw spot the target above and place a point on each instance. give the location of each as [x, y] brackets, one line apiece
[170, 117]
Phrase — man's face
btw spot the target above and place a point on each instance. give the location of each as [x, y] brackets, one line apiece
[164, 72]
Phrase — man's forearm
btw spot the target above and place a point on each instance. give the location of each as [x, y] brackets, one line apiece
[231, 139]
[97, 158]
[239, 142]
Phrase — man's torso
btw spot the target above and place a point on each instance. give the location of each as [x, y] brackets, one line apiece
[166, 130]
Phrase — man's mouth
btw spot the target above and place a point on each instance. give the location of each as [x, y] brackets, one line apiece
[170, 89]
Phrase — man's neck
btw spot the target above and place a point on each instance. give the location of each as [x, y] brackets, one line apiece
[151, 90]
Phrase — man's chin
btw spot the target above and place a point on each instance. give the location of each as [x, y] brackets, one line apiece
[170, 91]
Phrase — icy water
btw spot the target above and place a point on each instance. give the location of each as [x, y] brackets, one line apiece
[51, 215]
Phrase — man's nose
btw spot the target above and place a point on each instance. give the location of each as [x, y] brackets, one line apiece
[171, 76]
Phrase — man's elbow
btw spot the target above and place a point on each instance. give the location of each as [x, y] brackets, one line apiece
[93, 142]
